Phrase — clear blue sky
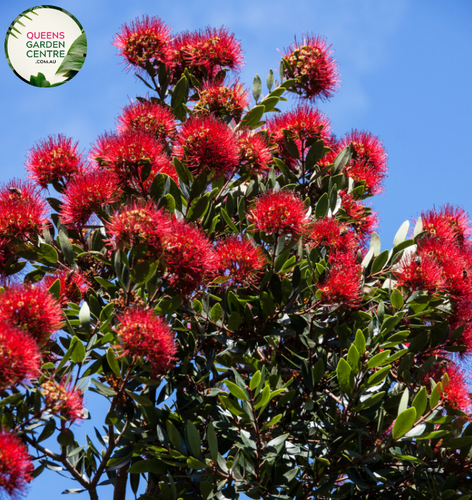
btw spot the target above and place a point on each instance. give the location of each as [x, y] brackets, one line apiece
[406, 69]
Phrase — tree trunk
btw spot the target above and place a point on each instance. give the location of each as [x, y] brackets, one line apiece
[120, 485]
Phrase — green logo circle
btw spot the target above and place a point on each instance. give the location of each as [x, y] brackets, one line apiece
[45, 46]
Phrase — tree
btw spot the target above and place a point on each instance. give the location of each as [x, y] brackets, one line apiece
[212, 271]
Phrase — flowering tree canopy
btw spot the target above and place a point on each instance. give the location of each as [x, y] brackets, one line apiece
[213, 272]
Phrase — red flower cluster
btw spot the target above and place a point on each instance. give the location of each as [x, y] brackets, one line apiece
[63, 400]
[73, 285]
[361, 218]
[304, 125]
[145, 41]
[137, 223]
[331, 233]
[254, 154]
[370, 165]
[54, 159]
[88, 194]
[32, 310]
[222, 100]
[126, 154]
[237, 261]
[15, 465]
[148, 117]
[22, 212]
[19, 356]
[188, 255]
[206, 52]
[311, 62]
[342, 283]
[450, 223]
[145, 335]
[279, 212]
[206, 144]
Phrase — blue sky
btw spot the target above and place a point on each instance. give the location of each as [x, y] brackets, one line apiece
[406, 76]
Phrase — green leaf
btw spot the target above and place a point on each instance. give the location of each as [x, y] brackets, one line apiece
[404, 423]
[55, 289]
[253, 117]
[345, 376]
[291, 146]
[353, 359]
[180, 93]
[236, 391]
[359, 342]
[228, 221]
[47, 252]
[396, 298]
[436, 395]
[193, 437]
[456, 443]
[273, 421]
[281, 165]
[377, 377]
[379, 262]
[78, 351]
[212, 442]
[158, 187]
[315, 154]
[182, 171]
[404, 401]
[154, 465]
[263, 399]
[278, 440]
[255, 380]
[173, 433]
[193, 463]
[378, 359]
[401, 233]
[216, 312]
[66, 247]
[319, 370]
[375, 243]
[322, 206]
[112, 361]
[420, 402]
[199, 185]
[84, 315]
[48, 430]
[256, 87]
[269, 81]
[234, 321]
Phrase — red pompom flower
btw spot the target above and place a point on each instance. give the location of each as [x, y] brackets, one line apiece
[254, 154]
[73, 285]
[331, 233]
[237, 261]
[206, 52]
[63, 400]
[32, 310]
[370, 165]
[148, 117]
[304, 125]
[147, 336]
[15, 465]
[19, 356]
[22, 212]
[222, 100]
[144, 41]
[206, 144]
[126, 154]
[138, 223]
[86, 195]
[279, 212]
[188, 255]
[342, 284]
[54, 159]
[311, 62]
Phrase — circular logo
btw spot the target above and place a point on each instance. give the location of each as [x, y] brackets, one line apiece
[45, 46]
